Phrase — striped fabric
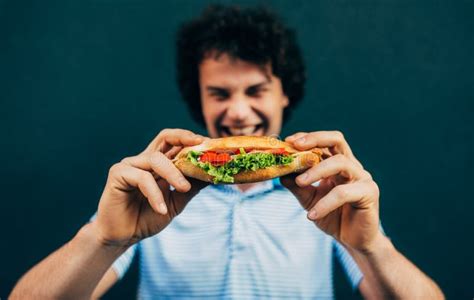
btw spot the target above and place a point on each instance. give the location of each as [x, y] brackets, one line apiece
[228, 244]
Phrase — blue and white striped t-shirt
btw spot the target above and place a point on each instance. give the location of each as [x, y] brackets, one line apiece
[240, 245]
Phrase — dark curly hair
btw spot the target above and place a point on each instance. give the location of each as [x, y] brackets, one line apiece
[255, 35]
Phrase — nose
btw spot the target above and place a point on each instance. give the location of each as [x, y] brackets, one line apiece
[239, 108]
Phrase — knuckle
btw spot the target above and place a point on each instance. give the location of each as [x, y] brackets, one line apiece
[165, 131]
[115, 169]
[146, 176]
[341, 192]
[126, 160]
[367, 175]
[185, 131]
[156, 159]
[311, 135]
[375, 188]
[300, 134]
[340, 158]
[339, 134]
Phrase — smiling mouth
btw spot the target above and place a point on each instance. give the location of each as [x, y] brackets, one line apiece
[257, 129]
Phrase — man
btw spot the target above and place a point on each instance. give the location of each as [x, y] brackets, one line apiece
[241, 73]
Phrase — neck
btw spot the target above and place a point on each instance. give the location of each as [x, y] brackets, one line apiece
[246, 186]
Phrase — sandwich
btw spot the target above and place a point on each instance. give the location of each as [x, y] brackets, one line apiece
[243, 159]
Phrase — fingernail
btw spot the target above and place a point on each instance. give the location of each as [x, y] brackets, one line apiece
[301, 141]
[302, 178]
[312, 215]
[183, 183]
[163, 209]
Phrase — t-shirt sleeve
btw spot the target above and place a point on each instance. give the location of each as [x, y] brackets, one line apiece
[121, 264]
[348, 264]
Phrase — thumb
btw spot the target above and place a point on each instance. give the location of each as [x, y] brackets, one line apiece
[305, 195]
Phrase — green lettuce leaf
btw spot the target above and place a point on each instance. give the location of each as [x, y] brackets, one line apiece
[241, 162]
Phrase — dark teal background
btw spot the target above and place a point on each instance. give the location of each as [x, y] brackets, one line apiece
[86, 83]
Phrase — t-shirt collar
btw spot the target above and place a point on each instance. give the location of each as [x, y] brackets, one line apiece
[262, 187]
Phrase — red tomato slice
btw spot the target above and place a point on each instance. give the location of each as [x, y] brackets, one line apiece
[208, 156]
[279, 151]
[214, 158]
[221, 159]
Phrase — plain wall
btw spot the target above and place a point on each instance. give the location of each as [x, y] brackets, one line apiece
[86, 83]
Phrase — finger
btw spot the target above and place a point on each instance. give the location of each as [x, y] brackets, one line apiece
[295, 136]
[162, 166]
[173, 151]
[335, 165]
[320, 139]
[305, 195]
[168, 171]
[128, 176]
[360, 194]
[180, 137]
[178, 201]
[333, 140]
[173, 137]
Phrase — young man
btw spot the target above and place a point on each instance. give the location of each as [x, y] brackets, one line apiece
[241, 73]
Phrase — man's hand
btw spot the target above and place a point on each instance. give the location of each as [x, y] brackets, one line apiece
[137, 201]
[345, 204]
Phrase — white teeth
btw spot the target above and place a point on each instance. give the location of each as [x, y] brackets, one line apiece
[242, 130]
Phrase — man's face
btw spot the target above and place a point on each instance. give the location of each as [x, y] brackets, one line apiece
[240, 98]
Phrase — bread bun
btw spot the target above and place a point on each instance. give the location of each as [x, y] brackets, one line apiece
[302, 160]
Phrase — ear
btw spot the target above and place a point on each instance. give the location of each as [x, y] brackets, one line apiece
[285, 101]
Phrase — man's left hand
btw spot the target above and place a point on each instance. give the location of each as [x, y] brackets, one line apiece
[345, 204]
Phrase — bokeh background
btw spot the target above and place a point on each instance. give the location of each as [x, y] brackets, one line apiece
[86, 83]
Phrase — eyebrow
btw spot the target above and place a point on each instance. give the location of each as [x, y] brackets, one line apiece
[259, 85]
[225, 89]
[216, 89]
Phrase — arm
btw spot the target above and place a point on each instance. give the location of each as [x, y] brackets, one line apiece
[109, 279]
[388, 274]
[136, 203]
[74, 270]
[345, 205]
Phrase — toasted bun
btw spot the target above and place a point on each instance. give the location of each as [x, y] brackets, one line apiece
[302, 159]
[236, 142]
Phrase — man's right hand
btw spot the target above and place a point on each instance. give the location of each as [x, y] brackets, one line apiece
[137, 201]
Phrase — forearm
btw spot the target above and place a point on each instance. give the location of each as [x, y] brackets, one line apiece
[72, 272]
[389, 275]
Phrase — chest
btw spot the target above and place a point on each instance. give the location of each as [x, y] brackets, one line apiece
[265, 243]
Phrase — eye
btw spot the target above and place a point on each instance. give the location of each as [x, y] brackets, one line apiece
[255, 91]
[219, 95]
